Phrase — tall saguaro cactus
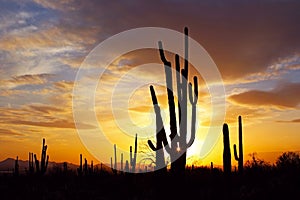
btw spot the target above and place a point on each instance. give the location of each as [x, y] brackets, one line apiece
[226, 151]
[239, 158]
[44, 158]
[79, 169]
[133, 158]
[179, 145]
[40, 166]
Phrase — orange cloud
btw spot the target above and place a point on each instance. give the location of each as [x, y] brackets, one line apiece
[284, 96]
[291, 121]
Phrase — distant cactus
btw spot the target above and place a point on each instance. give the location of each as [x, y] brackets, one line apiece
[127, 166]
[114, 166]
[16, 169]
[92, 168]
[121, 161]
[30, 163]
[79, 169]
[85, 168]
[239, 158]
[115, 150]
[226, 151]
[133, 158]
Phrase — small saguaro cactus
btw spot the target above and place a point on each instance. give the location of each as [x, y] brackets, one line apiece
[16, 169]
[127, 166]
[121, 161]
[85, 168]
[226, 151]
[115, 150]
[30, 163]
[79, 169]
[114, 166]
[133, 158]
[239, 158]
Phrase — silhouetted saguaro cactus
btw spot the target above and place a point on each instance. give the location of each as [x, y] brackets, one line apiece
[121, 161]
[30, 163]
[79, 169]
[44, 158]
[226, 151]
[133, 158]
[37, 164]
[92, 168]
[85, 167]
[179, 145]
[115, 150]
[16, 169]
[239, 158]
[127, 166]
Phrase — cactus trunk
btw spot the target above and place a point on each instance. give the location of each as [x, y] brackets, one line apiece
[239, 158]
[133, 158]
[226, 151]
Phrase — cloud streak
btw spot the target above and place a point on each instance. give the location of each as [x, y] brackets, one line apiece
[284, 96]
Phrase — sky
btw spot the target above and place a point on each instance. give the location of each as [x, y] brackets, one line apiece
[254, 44]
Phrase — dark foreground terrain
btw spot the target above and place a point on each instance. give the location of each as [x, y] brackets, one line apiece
[200, 183]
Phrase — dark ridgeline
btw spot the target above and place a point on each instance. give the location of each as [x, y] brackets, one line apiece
[179, 145]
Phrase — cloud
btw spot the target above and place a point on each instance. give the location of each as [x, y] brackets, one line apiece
[247, 44]
[46, 109]
[53, 124]
[284, 96]
[9, 132]
[291, 121]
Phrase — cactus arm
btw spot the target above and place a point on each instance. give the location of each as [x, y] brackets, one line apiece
[152, 147]
[235, 153]
[169, 83]
[162, 54]
[186, 49]
[193, 101]
[36, 163]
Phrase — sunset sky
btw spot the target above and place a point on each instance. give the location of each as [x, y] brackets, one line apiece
[254, 44]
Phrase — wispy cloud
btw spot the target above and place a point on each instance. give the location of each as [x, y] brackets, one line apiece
[284, 96]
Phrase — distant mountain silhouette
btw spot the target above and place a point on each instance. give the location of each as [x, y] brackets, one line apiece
[9, 163]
